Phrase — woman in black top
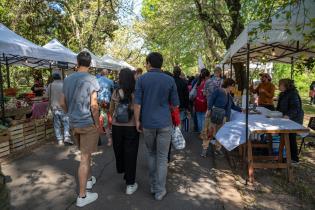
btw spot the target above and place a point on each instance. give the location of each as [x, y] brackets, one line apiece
[290, 105]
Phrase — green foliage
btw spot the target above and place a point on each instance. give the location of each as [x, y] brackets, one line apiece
[76, 23]
[184, 29]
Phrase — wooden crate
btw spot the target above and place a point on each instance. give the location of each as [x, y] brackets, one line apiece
[4, 144]
[40, 136]
[30, 139]
[49, 123]
[40, 122]
[50, 133]
[29, 128]
[16, 137]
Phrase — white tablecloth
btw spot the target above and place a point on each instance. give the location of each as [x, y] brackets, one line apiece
[232, 134]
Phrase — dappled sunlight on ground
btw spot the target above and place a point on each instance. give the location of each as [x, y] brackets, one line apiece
[46, 179]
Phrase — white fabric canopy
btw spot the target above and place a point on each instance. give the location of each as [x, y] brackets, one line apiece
[97, 62]
[127, 65]
[21, 51]
[56, 46]
[115, 64]
[286, 36]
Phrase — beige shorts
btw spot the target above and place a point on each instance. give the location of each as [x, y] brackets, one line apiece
[86, 138]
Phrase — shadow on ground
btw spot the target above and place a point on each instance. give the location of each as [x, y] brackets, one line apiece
[46, 179]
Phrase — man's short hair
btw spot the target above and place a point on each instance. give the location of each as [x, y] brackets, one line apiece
[84, 59]
[155, 59]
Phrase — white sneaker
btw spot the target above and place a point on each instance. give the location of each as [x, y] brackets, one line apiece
[69, 141]
[89, 198]
[90, 183]
[60, 143]
[131, 189]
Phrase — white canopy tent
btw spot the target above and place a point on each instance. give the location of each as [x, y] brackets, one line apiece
[289, 38]
[283, 42]
[20, 51]
[56, 46]
[115, 64]
[97, 62]
[127, 65]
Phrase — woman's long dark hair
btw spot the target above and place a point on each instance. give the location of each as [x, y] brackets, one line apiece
[203, 74]
[127, 82]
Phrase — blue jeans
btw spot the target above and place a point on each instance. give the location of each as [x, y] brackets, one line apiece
[60, 118]
[158, 143]
[200, 120]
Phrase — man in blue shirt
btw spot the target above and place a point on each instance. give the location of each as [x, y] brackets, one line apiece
[155, 93]
[104, 95]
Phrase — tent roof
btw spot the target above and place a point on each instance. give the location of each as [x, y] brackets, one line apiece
[56, 46]
[283, 42]
[114, 62]
[97, 62]
[127, 65]
[21, 51]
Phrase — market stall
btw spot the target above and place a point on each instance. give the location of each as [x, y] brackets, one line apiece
[115, 64]
[262, 121]
[286, 40]
[23, 122]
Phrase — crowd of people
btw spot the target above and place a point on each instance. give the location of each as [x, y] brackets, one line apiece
[145, 104]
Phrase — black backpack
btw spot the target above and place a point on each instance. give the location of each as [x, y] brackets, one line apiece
[123, 112]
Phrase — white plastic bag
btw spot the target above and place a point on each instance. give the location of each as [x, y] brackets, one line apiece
[178, 140]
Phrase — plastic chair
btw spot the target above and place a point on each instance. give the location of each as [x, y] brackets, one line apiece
[311, 125]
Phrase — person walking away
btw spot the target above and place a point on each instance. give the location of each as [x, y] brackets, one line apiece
[211, 85]
[138, 73]
[79, 100]
[265, 91]
[200, 101]
[312, 93]
[220, 104]
[104, 96]
[183, 94]
[155, 91]
[54, 91]
[290, 105]
[125, 134]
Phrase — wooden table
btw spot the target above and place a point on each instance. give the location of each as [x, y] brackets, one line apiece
[280, 163]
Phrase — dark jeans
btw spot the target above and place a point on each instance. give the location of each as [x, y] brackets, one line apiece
[270, 107]
[293, 147]
[126, 144]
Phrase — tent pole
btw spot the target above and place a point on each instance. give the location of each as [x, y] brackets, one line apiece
[292, 68]
[247, 95]
[231, 73]
[8, 72]
[1, 95]
[63, 73]
[223, 70]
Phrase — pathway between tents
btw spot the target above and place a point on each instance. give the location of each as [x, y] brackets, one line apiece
[46, 179]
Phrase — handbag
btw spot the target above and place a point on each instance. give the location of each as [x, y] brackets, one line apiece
[193, 93]
[178, 140]
[218, 114]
